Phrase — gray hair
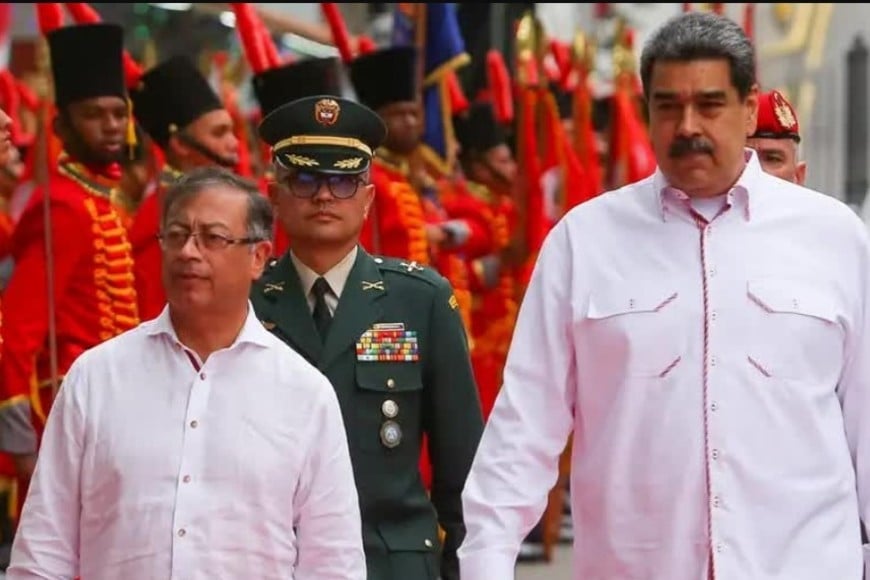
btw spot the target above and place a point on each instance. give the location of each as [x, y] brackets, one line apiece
[701, 35]
[260, 219]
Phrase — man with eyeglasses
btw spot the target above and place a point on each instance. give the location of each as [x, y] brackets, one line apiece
[175, 104]
[197, 445]
[385, 331]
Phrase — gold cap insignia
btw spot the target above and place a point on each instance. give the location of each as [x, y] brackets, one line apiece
[351, 163]
[301, 160]
[783, 112]
[326, 112]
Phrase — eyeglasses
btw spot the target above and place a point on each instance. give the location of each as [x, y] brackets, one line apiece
[306, 185]
[212, 241]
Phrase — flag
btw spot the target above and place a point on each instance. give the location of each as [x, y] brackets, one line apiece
[442, 52]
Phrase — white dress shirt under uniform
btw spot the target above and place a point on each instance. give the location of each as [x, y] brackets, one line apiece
[717, 380]
[150, 469]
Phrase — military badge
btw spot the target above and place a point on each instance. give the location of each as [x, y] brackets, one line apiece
[390, 409]
[391, 434]
[783, 111]
[326, 112]
[388, 342]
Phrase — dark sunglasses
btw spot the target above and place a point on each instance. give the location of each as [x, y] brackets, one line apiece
[306, 185]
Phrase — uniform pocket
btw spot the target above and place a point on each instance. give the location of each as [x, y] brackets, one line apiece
[388, 411]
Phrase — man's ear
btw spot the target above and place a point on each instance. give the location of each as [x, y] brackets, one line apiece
[800, 172]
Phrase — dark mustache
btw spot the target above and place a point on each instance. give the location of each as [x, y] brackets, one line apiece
[684, 146]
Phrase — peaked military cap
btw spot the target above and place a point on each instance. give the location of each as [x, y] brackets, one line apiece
[478, 130]
[284, 84]
[385, 76]
[776, 118]
[87, 62]
[323, 133]
[171, 96]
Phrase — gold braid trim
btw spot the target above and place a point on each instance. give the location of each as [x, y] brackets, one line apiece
[113, 273]
[410, 212]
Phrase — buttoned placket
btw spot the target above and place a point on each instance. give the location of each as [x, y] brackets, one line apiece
[712, 438]
[192, 448]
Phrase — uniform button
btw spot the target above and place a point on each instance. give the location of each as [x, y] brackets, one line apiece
[186, 479]
[194, 424]
[202, 376]
[715, 454]
[716, 502]
[714, 406]
[181, 533]
[391, 383]
[427, 542]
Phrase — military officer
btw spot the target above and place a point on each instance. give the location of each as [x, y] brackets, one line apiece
[385, 331]
[777, 138]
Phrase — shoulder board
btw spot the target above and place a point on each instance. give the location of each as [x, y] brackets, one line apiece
[409, 268]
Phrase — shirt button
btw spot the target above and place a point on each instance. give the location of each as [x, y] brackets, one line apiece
[181, 533]
[186, 479]
[719, 547]
[716, 502]
[194, 424]
[714, 406]
[202, 376]
[715, 454]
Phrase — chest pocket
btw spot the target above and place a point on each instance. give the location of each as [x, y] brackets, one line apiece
[388, 406]
[637, 331]
[794, 330]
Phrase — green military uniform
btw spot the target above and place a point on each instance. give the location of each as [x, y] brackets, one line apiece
[396, 354]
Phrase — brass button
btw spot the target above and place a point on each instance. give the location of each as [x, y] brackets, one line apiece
[391, 383]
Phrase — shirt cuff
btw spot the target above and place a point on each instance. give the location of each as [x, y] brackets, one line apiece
[487, 565]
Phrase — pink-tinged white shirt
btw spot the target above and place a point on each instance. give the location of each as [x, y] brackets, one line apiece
[716, 377]
[151, 469]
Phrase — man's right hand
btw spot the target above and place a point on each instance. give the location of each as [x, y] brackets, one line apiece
[25, 463]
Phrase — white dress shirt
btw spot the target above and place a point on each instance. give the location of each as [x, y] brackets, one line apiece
[336, 277]
[151, 470]
[716, 377]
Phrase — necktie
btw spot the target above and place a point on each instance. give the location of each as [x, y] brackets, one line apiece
[322, 317]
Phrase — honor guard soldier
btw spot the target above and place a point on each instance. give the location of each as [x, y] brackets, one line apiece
[385, 331]
[184, 116]
[93, 296]
[777, 138]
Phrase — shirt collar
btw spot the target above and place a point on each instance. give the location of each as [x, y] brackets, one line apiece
[336, 277]
[739, 195]
[253, 331]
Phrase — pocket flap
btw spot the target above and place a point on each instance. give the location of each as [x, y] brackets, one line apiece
[390, 377]
[415, 536]
[624, 300]
[793, 297]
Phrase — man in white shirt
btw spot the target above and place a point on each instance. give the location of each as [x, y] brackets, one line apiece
[197, 445]
[704, 333]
